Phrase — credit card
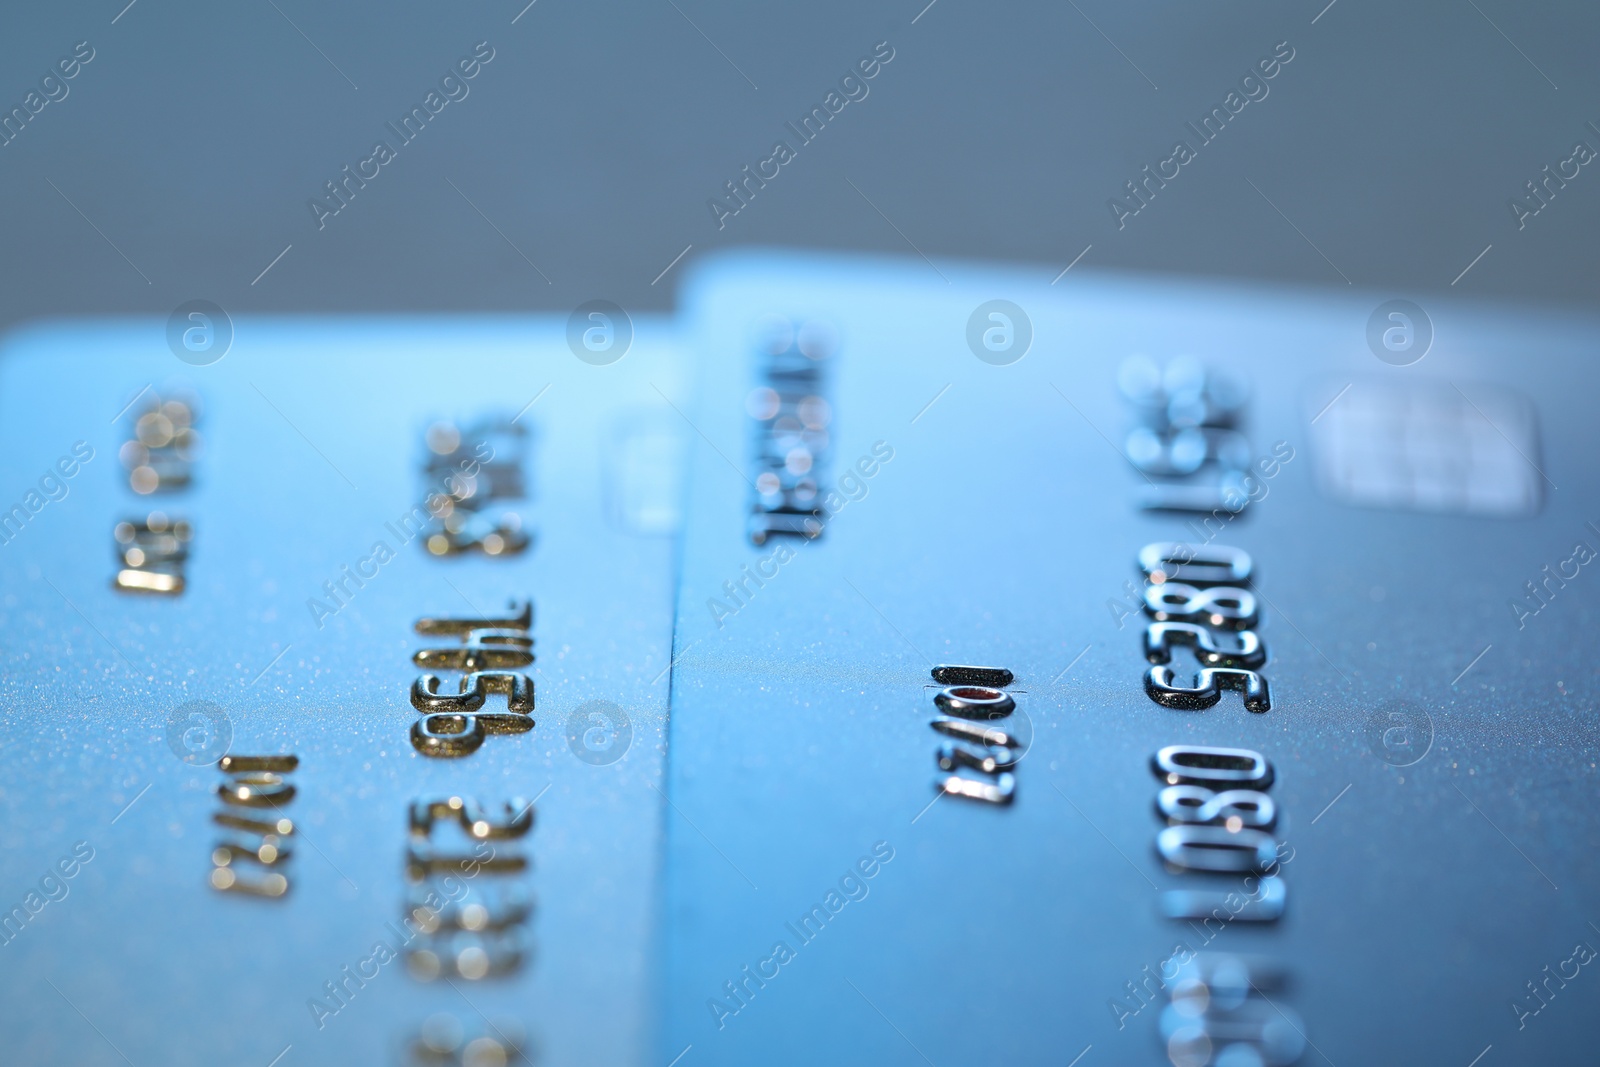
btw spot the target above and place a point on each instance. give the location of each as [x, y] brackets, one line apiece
[1111, 670]
[336, 688]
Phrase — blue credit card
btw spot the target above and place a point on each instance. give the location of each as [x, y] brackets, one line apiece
[1117, 670]
[336, 691]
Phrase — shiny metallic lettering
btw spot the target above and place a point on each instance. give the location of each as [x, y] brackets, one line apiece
[151, 553]
[1216, 849]
[1159, 637]
[1239, 768]
[1001, 791]
[790, 419]
[256, 840]
[1223, 607]
[1234, 808]
[985, 750]
[466, 928]
[465, 484]
[975, 702]
[1199, 565]
[958, 674]
[1165, 690]
[454, 724]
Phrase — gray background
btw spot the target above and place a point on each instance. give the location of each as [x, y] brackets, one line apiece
[194, 139]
